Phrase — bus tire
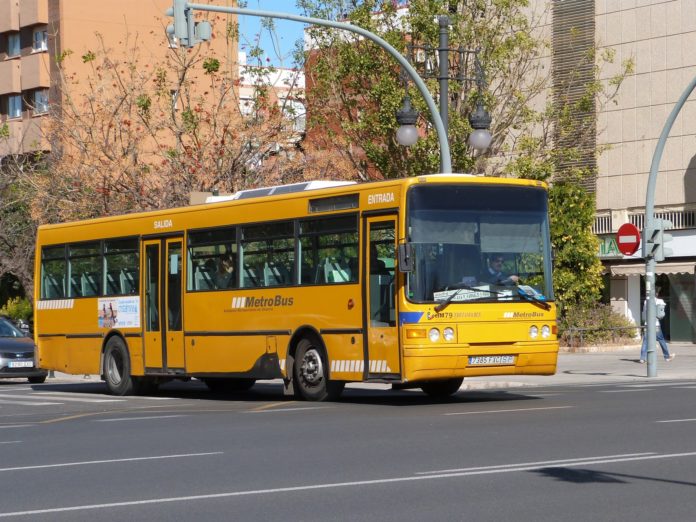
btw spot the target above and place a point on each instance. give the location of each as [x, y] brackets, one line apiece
[442, 389]
[37, 380]
[228, 385]
[310, 373]
[117, 371]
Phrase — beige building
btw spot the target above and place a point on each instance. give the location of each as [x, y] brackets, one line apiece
[659, 36]
[34, 32]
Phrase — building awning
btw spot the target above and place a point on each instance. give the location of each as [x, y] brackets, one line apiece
[660, 268]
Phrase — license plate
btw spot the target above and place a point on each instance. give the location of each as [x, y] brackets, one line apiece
[20, 364]
[491, 360]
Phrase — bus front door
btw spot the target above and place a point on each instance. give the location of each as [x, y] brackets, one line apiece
[163, 336]
[382, 358]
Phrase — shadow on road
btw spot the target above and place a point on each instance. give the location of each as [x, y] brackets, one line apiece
[265, 392]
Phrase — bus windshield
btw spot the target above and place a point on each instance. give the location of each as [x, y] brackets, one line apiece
[480, 243]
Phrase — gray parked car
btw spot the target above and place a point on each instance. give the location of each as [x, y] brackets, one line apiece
[17, 354]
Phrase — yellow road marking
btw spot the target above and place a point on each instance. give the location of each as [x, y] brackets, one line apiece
[273, 405]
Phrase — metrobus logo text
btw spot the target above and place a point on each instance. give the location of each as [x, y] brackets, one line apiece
[386, 197]
[523, 315]
[261, 302]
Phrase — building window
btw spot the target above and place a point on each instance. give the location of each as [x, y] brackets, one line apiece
[40, 101]
[40, 40]
[13, 46]
[14, 106]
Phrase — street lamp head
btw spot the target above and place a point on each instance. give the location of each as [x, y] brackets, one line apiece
[480, 138]
[406, 117]
[407, 135]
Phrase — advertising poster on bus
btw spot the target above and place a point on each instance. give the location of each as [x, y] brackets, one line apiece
[119, 312]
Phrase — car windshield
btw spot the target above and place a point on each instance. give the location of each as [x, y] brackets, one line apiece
[7, 329]
[478, 243]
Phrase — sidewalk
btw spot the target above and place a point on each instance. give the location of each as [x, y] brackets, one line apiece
[612, 365]
[601, 367]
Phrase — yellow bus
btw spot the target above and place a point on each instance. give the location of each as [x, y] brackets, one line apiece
[317, 283]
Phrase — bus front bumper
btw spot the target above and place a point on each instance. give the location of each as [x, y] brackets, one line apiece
[423, 364]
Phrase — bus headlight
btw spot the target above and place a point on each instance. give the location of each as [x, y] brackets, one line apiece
[448, 334]
[434, 335]
[533, 332]
[545, 331]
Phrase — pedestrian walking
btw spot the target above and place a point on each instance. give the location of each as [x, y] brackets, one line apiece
[660, 306]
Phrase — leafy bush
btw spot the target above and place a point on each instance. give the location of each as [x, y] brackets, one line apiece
[599, 324]
[17, 308]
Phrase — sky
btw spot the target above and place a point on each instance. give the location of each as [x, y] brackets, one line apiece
[287, 32]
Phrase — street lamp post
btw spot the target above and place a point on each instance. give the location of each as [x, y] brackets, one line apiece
[480, 121]
[183, 30]
[653, 236]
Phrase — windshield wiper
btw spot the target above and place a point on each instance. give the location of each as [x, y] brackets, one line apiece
[459, 288]
[533, 299]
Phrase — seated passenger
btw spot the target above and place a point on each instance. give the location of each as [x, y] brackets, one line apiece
[224, 275]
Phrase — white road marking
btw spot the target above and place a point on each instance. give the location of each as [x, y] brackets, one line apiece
[16, 426]
[280, 410]
[140, 418]
[357, 483]
[655, 385]
[543, 462]
[509, 411]
[625, 391]
[678, 420]
[109, 461]
[74, 394]
[75, 398]
[28, 403]
[11, 442]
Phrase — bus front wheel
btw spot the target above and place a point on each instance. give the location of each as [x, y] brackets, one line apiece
[310, 374]
[117, 372]
[442, 389]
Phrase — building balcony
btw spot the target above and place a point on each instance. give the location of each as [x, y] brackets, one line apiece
[9, 15]
[26, 135]
[35, 71]
[32, 12]
[10, 76]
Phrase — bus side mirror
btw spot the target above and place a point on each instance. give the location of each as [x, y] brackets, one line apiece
[406, 258]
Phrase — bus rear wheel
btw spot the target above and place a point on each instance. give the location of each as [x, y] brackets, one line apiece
[117, 371]
[442, 389]
[228, 385]
[310, 375]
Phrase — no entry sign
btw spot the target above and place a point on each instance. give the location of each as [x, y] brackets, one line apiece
[628, 239]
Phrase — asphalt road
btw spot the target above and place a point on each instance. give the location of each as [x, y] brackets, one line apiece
[625, 451]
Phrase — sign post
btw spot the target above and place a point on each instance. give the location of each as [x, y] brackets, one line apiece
[628, 239]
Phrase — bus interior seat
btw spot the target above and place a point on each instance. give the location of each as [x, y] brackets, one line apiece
[202, 277]
[112, 287]
[249, 278]
[272, 275]
[53, 288]
[88, 284]
[127, 280]
[334, 273]
[75, 289]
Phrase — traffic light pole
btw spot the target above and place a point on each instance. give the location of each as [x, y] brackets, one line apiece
[445, 157]
[650, 228]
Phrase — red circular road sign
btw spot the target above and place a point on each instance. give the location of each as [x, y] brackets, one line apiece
[628, 239]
